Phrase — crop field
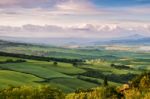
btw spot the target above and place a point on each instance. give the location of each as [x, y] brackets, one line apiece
[12, 78]
[40, 72]
[118, 66]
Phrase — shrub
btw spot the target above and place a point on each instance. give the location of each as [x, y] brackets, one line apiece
[97, 93]
[27, 92]
[9, 61]
[55, 63]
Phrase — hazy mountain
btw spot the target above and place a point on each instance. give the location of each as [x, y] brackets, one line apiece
[132, 39]
[52, 41]
[128, 40]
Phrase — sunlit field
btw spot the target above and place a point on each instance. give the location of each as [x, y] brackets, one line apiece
[74, 49]
[70, 76]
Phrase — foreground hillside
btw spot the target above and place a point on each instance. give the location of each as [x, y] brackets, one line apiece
[66, 76]
[139, 88]
[31, 72]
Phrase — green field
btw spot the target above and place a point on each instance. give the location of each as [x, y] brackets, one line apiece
[11, 78]
[40, 72]
[66, 76]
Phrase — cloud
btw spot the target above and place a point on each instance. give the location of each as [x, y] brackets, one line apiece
[75, 5]
[8, 2]
[84, 31]
[49, 3]
[61, 4]
[66, 17]
[27, 3]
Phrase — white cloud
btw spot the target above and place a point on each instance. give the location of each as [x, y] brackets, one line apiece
[66, 17]
[25, 3]
[75, 5]
[85, 31]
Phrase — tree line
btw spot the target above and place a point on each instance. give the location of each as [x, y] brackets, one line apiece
[120, 66]
[120, 78]
[41, 58]
[12, 61]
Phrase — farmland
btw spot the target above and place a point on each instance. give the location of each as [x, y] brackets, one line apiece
[69, 76]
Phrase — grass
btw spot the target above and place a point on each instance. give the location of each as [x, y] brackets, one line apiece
[20, 74]
[64, 75]
[72, 83]
[3, 58]
[101, 81]
[64, 68]
[33, 69]
[11, 78]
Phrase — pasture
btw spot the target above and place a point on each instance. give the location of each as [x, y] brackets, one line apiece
[91, 73]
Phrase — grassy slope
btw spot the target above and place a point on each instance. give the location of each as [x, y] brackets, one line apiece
[11, 78]
[134, 59]
[66, 72]
[71, 84]
[3, 58]
[47, 70]
[33, 69]
[42, 70]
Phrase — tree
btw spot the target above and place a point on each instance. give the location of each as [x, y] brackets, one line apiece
[9, 60]
[141, 80]
[28, 92]
[74, 64]
[55, 63]
[105, 81]
[112, 65]
[145, 82]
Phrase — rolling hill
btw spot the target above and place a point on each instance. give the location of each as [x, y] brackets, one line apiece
[67, 76]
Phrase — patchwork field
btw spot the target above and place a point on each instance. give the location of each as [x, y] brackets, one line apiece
[118, 66]
[39, 72]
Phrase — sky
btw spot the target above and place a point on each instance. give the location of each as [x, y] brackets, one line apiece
[74, 18]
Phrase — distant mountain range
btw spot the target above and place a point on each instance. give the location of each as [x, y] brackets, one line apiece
[52, 41]
[127, 40]
[131, 40]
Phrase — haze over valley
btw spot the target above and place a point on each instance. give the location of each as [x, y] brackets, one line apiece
[74, 49]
